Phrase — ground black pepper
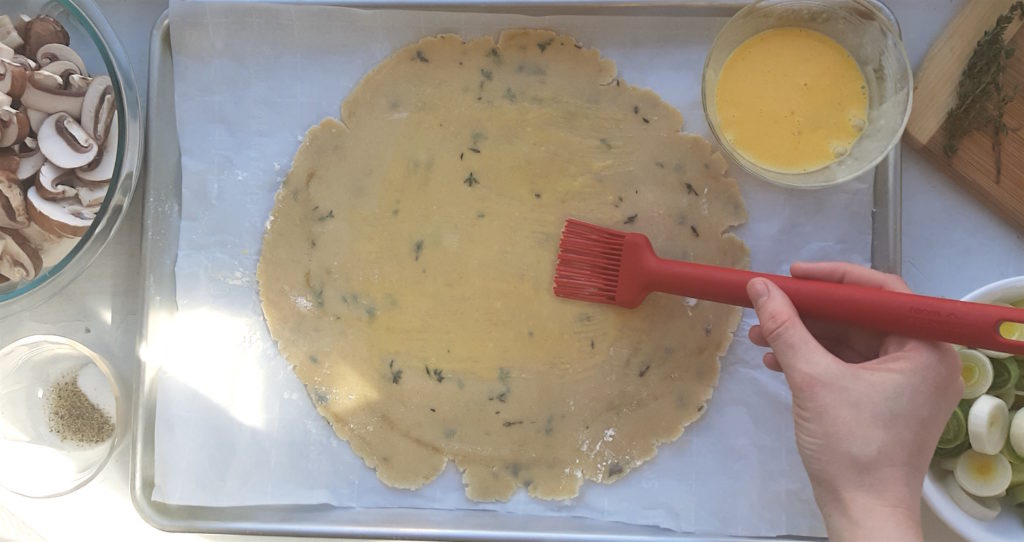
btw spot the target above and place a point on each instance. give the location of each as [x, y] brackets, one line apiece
[73, 417]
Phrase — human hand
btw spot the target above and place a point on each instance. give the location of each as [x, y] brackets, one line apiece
[868, 408]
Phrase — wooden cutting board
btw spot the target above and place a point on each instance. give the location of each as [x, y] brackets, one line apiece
[974, 164]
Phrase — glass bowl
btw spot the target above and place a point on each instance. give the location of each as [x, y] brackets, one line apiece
[61, 415]
[94, 40]
[1007, 526]
[867, 30]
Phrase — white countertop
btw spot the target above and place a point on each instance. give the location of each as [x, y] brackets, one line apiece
[951, 245]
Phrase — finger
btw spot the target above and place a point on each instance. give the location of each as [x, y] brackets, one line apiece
[861, 343]
[899, 343]
[771, 362]
[794, 346]
[834, 338]
[848, 273]
[757, 337]
[850, 344]
[846, 352]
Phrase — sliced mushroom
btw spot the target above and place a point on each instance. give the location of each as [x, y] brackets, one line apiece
[43, 30]
[92, 196]
[101, 169]
[54, 183]
[63, 69]
[6, 52]
[36, 119]
[13, 79]
[56, 52]
[65, 218]
[65, 143]
[9, 161]
[45, 92]
[46, 80]
[25, 62]
[9, 34]
[5, 100]
[31, 159]
[19, 23]
[13, 210]
[14, 126]
[98, 108]
[78, 83]
[19, 259]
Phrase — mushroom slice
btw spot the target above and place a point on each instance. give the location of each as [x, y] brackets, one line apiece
[19, 23]
[19, 259]
[36, 119]
[100, 170]
[92, 196]
[5, 100]
[56, 52]
[77, 82]
[8, 34]
[43, 30]
[63, 69]
[6, 52]
[13, 210]
[9, 161]
[25, 62]
[31, 159]
[14, 126]
[13, 78]
[65, 218]
[98, 108]
[65, 143]
[54, 183]
[45, 92]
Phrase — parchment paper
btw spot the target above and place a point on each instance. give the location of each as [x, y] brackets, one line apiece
[235, 427]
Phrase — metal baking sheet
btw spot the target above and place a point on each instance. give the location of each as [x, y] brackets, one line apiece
[162, 214]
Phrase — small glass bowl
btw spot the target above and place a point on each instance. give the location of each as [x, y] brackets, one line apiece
[94, 40]
[867, 30]
[34, 460]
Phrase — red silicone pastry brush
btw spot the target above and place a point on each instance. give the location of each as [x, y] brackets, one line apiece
[602, 265]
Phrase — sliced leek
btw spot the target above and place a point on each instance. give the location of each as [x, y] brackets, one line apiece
[1016, 474]
[1017, 432]
[1008, 396]
[1019, 387]
[976, 370]
[988, 423]
[983, 509]
[955, 431]
[1010, 454]
[953, 452]
[1016, 495]
[947, 463]
[983, 475]
[1005, 373]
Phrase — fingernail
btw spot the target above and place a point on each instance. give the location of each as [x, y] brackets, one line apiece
[757, 289]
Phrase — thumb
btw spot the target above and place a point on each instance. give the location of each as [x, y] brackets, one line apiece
[794, 346]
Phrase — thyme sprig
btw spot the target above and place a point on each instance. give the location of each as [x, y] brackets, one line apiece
[981, 97]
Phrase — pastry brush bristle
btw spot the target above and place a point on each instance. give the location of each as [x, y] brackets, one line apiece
[588, 262]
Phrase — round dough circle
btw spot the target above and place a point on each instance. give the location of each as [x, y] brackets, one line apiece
[406, 271]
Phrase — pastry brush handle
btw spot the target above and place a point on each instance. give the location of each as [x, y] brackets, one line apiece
[922, 317]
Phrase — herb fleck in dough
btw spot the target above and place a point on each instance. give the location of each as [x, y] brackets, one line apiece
[406, 273]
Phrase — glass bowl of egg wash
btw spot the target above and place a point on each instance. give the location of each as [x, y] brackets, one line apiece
[808, 93]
